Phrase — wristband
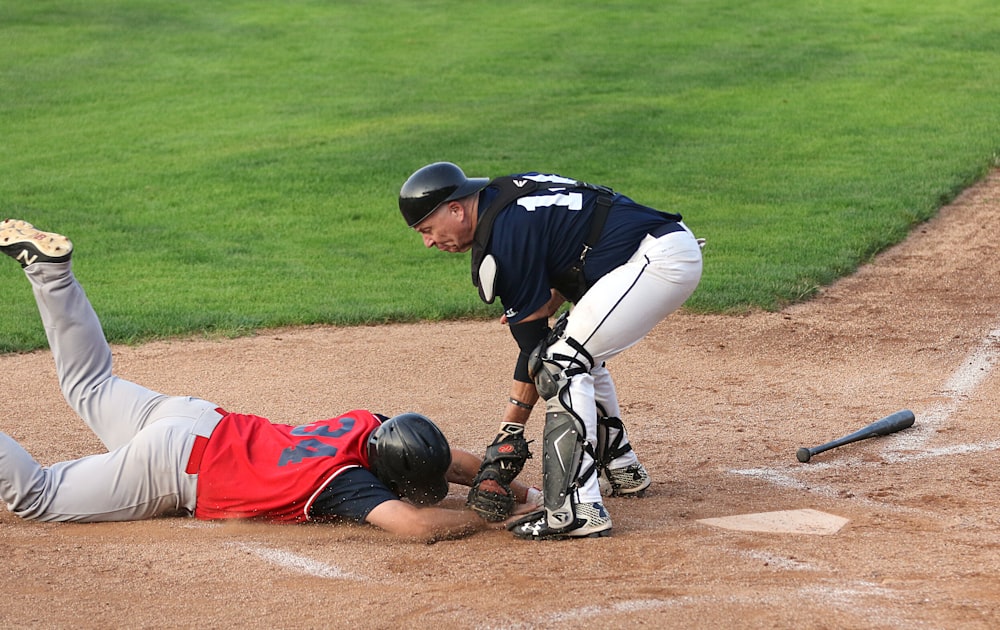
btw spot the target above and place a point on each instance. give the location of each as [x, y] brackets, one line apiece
[522, 405]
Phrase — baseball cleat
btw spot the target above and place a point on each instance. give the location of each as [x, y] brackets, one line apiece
[628, 481]
[592, 521]
[22, 242]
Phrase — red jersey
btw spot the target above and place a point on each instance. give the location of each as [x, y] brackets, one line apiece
[253, 468]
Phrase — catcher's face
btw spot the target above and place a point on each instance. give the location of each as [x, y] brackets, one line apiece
[449, 228]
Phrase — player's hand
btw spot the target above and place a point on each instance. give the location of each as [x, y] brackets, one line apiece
[525, 512]
[523, 508]
[531, 506]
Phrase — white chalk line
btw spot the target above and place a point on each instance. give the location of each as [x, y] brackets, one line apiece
[294, 562]
[975, 369]
[943, 451]
[786, 479]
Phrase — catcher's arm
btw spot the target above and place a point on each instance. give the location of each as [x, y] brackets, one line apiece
[527, 395]
[523, 394]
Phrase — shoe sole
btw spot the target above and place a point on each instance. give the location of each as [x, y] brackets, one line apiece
[631, 492]
[570, 536]
[33, 243]
[600, 534]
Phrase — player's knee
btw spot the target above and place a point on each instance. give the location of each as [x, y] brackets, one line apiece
[552, 371]
[548, 377]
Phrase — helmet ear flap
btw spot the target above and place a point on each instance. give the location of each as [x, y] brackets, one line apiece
[374, 460]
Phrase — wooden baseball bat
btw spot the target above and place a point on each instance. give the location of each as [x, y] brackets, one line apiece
[889, 424]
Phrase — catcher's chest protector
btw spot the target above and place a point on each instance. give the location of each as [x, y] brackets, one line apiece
[511, 188]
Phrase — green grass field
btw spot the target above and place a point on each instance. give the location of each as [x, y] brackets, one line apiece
[223, 166]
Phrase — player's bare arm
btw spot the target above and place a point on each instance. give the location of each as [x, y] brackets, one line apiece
[527, 334]
[426, 524]
[524, 393]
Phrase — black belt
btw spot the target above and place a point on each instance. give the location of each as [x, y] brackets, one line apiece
[666, 228]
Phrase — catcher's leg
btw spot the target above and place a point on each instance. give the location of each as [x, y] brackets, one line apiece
[568, 465]
[618, 477]
[619, 470]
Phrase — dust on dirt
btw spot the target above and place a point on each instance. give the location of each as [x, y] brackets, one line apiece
[716, 407]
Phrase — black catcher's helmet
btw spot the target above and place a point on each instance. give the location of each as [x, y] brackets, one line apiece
[410, 455]
[433, 185]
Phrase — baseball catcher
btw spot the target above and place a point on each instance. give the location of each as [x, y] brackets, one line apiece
[538, 241]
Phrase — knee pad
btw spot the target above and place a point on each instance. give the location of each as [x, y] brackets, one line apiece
[550, 371]
[544, 375]
[549, 376]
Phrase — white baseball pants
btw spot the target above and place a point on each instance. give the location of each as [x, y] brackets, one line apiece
[615, 314]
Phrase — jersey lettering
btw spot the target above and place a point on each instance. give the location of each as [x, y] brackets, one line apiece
[553, 179]
[570, 201]
[344, 425]
[306, 449]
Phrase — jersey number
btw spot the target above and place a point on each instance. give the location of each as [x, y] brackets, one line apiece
[570, 201]
[312, 447]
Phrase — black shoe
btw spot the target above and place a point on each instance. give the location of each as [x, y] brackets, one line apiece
[22, 242]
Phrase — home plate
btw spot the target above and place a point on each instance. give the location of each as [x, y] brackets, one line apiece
[804, 521]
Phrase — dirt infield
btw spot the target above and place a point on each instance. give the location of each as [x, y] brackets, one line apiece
[716, 407]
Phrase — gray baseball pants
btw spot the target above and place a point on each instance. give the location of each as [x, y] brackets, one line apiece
[149, 436]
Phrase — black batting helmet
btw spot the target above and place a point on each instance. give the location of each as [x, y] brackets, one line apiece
[411, 456]
[433, 185]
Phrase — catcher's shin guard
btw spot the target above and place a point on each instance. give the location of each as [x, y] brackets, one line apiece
[562, 450]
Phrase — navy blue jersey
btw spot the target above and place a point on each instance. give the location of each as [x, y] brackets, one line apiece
[541, 235]
[351, 495]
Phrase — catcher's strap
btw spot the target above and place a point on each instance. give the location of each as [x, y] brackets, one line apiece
[490, 495]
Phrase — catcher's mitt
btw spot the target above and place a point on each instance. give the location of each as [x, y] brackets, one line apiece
[490, 496]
